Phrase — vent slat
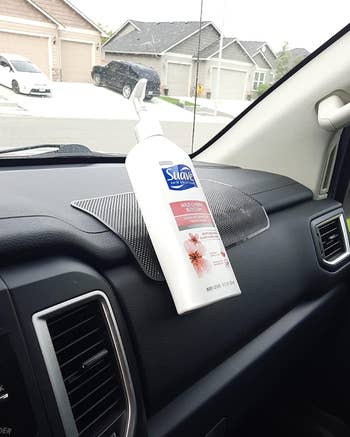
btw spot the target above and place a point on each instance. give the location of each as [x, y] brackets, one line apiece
[75, 342]
[91, 375]
[91, 392]
[71, 328]
[85, 380]
[337, 251]
[332, 244]
[67, 314]
[94, 405]
[100, 416]
[75, 358]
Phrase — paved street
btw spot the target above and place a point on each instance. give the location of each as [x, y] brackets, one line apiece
[85, 100]
[97, 117]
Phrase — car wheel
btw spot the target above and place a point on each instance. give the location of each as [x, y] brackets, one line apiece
[97, 79]
[15, 87]
[127, 91]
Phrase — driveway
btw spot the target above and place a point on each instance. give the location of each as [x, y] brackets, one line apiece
[85, 100]
[97, 117]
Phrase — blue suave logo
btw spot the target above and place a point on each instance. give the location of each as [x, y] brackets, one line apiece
[179, 177]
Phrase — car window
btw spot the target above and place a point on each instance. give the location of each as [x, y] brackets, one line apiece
[24, 66]
[205, 63]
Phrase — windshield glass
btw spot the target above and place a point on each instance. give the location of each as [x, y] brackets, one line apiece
[205, 62]
[24, 66]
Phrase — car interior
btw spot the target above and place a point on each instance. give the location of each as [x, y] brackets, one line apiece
[91, 344]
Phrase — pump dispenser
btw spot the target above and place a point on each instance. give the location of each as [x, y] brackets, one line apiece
[177, 216]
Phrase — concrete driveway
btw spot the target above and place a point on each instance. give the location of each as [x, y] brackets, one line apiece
[97, 117]
[85, 100]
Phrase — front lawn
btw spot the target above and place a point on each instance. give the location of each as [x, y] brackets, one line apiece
[176, 101]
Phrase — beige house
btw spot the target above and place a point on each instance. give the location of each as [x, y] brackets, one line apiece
[171, 48]
[54, 34]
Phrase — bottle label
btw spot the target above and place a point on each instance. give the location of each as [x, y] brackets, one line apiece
[202, 243]
[191, 214]
[179, 177]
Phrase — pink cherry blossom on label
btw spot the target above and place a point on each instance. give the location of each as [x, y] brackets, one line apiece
[196, 250]
[193, 243]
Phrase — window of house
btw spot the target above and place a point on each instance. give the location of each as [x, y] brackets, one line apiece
[259, 79]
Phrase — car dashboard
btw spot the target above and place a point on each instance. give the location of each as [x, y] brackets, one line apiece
[91, 346]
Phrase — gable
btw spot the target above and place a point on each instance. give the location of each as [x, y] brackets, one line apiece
[269, 56]
[63, 13]
[190, 46]
[235, 52]
[125, 30]
[261, 62]
[21, 9]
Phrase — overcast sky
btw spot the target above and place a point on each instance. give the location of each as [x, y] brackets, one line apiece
[303, 23]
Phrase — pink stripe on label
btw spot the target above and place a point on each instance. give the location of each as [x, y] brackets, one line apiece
[189, 207]
[191, 214]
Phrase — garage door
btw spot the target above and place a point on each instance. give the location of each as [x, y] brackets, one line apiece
[32, 47]
[76, 61]
[178, 79]
[232, 83]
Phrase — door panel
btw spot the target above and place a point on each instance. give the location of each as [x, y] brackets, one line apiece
[178, 79]
[232, 83]
[76, 61]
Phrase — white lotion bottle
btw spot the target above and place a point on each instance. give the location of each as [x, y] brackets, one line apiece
[177, 216]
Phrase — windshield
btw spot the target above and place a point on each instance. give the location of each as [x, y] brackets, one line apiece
[205, 62]
[24, 66]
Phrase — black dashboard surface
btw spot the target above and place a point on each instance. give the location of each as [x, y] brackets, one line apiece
[277, 271]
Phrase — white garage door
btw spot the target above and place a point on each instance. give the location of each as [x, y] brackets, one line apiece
[76, 61]
[178, 79]
[232, 83]
[32, 47]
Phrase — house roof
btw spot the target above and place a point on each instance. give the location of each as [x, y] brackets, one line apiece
[57, 14]
[252, 46]
[299, 53]
[152, 37]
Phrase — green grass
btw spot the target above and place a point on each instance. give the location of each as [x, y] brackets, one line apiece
[348, 222]
[175, 101]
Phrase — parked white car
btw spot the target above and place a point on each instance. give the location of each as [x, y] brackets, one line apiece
[22, 75]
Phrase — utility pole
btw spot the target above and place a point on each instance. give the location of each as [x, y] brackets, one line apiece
[221, 43]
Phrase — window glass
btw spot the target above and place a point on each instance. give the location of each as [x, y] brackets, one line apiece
[205, 62]
[259, 79]
[24, 66]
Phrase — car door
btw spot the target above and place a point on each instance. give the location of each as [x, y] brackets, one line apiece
[119, 69]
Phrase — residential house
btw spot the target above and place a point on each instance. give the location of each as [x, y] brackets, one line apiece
[55, 35]
[171, 48]
[265, 62]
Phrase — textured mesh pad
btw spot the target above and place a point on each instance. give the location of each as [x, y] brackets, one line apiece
[237, 216]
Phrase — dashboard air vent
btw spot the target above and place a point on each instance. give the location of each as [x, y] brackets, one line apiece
[86, 357]
[333, 239]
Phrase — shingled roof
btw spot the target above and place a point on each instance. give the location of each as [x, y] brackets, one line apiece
[252, 46]
[152, 37]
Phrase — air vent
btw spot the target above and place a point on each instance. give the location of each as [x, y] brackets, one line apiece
[92, 374]
[332, 239]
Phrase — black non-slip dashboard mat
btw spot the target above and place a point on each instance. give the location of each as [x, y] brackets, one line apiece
[238, 217]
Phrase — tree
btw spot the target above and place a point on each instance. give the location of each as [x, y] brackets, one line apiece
[262, 88]
[108, 32]
[283, 61]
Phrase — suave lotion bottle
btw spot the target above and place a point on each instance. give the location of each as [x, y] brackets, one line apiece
[177, 216]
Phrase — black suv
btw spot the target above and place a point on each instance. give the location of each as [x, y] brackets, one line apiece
[122, 76]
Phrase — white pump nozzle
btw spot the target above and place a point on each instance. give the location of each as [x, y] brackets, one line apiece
[148, 126]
